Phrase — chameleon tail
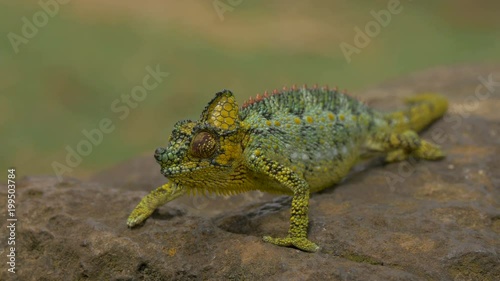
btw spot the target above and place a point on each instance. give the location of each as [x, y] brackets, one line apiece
[421, 111]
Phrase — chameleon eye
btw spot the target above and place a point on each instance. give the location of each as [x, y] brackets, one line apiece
[203, 145]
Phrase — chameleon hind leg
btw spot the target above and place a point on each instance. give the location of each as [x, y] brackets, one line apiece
[401, 146]
[299, 220]
[153, 200]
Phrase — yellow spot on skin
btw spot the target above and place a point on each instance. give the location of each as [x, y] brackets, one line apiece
[186, 130]
[309, 119]
[223, 159]
[331, 116]
[277, 123]
[229, 120]
[342, 117]
[268, 123]
[288, 125]
[257, 152]
[228, 106]
[354, 118]
[394, 140]
[296, 120]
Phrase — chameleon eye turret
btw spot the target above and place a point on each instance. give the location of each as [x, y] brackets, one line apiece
[203, 145]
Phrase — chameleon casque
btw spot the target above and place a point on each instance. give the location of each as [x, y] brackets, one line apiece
[295, 141]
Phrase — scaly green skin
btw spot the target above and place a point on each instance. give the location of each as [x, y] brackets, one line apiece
[293, 142]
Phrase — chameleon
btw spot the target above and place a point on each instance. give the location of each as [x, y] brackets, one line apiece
[293, 141]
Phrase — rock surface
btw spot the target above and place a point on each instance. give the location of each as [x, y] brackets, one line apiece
[404, 221]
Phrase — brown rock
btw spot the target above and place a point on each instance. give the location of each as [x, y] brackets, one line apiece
[413, 220]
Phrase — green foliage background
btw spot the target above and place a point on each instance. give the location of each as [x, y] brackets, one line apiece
[91, 52]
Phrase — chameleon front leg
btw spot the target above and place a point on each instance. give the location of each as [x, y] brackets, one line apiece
[299, 220]
[153, 200]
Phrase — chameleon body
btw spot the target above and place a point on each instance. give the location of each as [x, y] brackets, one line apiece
[295, 141]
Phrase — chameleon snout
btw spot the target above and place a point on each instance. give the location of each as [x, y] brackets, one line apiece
[159, 154]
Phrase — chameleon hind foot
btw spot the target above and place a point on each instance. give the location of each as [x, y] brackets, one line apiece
[428, 151]
[401, 146]
[301, 243]
[425, 150]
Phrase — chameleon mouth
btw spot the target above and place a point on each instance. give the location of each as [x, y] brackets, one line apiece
[177, 170]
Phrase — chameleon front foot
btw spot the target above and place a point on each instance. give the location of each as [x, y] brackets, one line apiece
[153, 200]
[301, 243]
[138, 216]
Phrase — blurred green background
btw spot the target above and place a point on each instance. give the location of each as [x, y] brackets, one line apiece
[88, 54]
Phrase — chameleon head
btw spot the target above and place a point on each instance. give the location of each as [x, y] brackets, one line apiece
[203, 152]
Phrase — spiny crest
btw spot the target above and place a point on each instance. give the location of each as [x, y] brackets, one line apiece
[293, 88]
